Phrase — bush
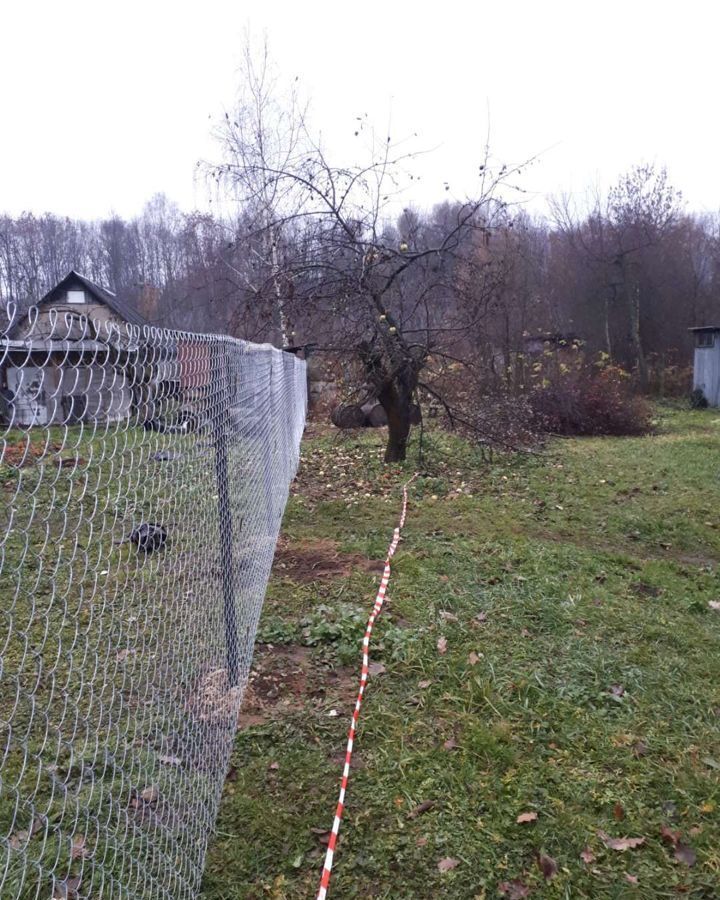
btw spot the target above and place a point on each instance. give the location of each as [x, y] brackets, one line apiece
[698, 400]
[589, 399]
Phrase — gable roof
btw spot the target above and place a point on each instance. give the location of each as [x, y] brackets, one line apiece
[103, 295]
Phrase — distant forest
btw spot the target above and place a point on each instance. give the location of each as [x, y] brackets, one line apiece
[628, 275]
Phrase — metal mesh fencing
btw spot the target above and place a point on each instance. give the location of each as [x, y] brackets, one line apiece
[143, 477]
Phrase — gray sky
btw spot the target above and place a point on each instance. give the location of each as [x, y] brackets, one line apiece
[104, 104]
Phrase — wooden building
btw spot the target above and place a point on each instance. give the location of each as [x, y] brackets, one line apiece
[64, 360]
[706, 369]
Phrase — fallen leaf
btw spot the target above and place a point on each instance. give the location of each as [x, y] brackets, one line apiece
[620, 844]
[448, 616]
[618, 812]
[442, 645]
[631, 879]
[324, 837]
[421, 808]
[67, 889]
[617, 690]
[445, 865]
[669, 836]
[450, 744]
[170, 760]
[548, 866]
[149, 794]
[79, 850]
[587, 856]
[685, 854]
[640, 749]
[480, 618]
[421, 842]
[525, 817]
[513, 890]
[712, 763]
[18, 839]
[473, 658]
[274, 766]
[424, 684]
[714, 604]
[376, 668]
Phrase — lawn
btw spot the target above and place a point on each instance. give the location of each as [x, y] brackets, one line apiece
[576, 703]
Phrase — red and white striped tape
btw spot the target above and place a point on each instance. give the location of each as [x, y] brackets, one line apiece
[377, 607]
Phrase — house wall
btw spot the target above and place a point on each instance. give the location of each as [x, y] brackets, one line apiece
[70, 391]
[706, 372]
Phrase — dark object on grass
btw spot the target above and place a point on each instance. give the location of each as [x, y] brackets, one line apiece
[348, 416]
[375, 415]
[698, 400]
[147, 537]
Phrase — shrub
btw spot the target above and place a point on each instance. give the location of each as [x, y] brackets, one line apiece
[698, 400]
[589, 399]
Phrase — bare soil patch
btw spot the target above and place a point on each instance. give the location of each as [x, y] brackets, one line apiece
[285, 677]
[307, 561]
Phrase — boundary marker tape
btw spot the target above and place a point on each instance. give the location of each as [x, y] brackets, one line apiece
[377, 607]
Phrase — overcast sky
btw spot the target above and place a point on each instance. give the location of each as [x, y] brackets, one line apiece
[104, 104]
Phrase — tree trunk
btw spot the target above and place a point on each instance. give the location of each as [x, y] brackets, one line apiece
[636, 338]
[397, 404]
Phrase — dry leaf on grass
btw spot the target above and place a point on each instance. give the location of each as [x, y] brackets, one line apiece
[170, 760]
[620, 844]
[376, 668]
[67, 889]
[548, 866]
[685, 854]
[669, 836]
[424, 684]
[513, 890]
[79, 849]
[473, 658]
[587, 856]
[445, 865]
[618, 812]
[442, 644]
[421, 808]
[526, 817]
[631, 879]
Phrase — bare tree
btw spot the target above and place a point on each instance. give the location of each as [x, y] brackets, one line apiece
[262, 134]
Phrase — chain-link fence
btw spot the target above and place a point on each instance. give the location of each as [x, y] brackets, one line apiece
[143, 477]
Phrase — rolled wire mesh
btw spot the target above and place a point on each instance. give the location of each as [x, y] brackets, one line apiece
[143, 477]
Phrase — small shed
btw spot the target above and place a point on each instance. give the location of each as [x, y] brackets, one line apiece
[706, 369]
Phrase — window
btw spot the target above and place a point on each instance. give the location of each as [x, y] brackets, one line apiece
[76, 296]
[705, 338]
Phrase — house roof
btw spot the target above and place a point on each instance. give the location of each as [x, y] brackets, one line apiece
[705, 328]
[100, 293]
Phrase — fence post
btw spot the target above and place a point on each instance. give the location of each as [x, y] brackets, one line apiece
[221, 370]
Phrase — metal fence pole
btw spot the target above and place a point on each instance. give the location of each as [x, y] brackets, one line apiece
[221, 421]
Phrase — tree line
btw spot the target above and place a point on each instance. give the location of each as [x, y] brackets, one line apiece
[443, 301]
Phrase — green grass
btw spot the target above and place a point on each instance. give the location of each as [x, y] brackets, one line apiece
[103, 651]
[594, 700]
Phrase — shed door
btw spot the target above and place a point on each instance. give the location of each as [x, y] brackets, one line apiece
[29, 405]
